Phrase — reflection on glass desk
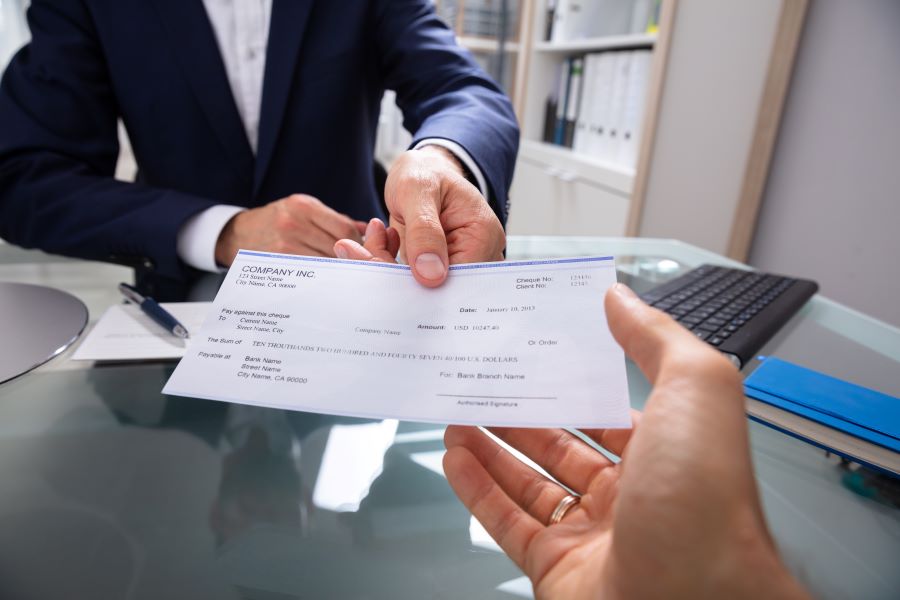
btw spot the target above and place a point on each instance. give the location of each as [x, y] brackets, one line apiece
[112, 490]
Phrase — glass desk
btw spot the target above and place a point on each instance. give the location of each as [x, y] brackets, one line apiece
[112, 490]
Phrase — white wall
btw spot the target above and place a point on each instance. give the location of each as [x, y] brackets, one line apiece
[715, 75]
[831, 209]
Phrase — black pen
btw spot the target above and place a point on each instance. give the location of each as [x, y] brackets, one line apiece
[153, 310]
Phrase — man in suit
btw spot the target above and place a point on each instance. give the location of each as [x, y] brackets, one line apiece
[253, 125]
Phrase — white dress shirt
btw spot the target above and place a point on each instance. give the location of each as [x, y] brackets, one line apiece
[241, 28]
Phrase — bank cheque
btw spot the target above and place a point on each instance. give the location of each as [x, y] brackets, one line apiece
[515, 343]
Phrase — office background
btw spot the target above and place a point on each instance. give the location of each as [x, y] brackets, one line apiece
[832, 204]
[98, 451]
[829, 205]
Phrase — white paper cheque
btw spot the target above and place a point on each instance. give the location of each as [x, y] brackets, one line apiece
[508, 343]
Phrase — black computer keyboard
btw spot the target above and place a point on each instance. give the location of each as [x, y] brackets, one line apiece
[734, 310]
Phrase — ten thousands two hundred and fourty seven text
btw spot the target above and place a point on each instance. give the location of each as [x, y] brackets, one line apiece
[363, 353]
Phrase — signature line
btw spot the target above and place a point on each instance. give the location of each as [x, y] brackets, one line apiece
[498, 397]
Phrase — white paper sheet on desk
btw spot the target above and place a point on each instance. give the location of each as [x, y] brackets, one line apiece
[512, 343]
[126, 333]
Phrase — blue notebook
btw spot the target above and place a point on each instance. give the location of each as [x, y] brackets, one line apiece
[852, 409]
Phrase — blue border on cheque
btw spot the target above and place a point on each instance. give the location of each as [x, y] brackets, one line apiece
[382, 265]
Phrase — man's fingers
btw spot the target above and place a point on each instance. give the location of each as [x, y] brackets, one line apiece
[378, 241]
[504, 520]
[442, 218]
[377, 246]
[321, 242]
[333, 223]
[349, 249]
[474, 233]
[376, 236]
[393, 241]
[563, 455]
[425, 244]
[426, 249]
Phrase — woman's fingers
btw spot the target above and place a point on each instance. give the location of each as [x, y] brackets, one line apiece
[510, 526]
[645, 334]
[670, 355]
[563, 455]
[615, 440]
[529, 489]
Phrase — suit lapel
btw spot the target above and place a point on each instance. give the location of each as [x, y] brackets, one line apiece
[198, 53]
[288, 23]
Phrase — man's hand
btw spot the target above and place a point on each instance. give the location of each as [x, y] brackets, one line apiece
[679, 516]
[298, 224]
[442, 219]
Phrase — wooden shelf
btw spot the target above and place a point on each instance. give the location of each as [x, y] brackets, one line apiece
[484, 44]
[613, 42]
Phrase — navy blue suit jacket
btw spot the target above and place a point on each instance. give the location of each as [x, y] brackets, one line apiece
[155, 64]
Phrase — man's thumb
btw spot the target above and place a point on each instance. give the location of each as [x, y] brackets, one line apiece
[426, 247]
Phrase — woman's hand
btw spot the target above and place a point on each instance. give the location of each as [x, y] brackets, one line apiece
[679, 516]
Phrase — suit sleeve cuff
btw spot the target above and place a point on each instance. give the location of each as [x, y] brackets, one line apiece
[197, 238]
[460, 153]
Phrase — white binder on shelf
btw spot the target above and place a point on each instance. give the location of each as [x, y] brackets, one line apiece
[635, 97]
[559, 130]
[622, 68]
[561, 22]
[582, 124]
[574, 100]
[599, 121]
